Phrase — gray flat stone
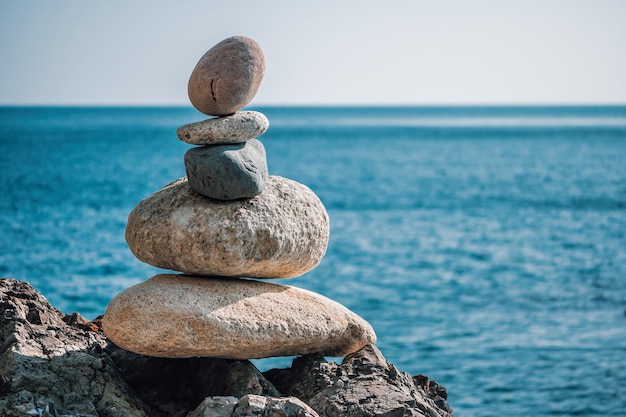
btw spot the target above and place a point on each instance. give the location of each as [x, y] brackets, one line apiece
[236, 128]
[227, 172]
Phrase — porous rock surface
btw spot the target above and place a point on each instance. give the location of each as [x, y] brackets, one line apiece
[227, 76]
[174, 387]
[54, 365]
[252, 405]
[180, 316]
[227, 172]
[364, 385]
[236, 128]
[281, 233]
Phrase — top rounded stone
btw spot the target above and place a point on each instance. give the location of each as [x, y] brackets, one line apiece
[227, 76]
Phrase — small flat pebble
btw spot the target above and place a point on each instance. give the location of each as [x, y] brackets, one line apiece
[236, 128]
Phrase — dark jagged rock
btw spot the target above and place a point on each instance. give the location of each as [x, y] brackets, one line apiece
[365, 384]
[52, 364]
[56, 365]
[173, 387]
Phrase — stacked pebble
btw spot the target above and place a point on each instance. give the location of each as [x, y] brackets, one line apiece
[226, 220]
[231, 163]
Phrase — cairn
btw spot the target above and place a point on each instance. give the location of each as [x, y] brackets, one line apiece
[224, 226]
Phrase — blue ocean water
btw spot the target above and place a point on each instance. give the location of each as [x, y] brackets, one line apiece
[485, 245]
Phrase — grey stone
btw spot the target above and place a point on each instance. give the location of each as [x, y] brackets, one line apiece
[236, 128]
[227, 172]
[227, 76]
[252, 406]
[283, 232]
[215, 407]
[53, 364]
[181, 316]
[364, 385]
[263, 406]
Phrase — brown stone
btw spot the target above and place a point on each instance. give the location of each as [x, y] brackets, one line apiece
[227, 76]
[181, 316]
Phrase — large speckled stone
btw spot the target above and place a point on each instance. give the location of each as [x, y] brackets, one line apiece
[227, 76]
[283, 232]
[180, 316]
[227, 172]
[236, 128]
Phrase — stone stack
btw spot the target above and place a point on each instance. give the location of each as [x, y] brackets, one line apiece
[230, 164]
[226, 222]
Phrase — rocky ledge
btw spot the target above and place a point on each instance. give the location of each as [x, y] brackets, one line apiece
[54, 364]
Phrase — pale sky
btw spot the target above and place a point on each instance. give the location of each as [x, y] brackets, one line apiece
[319, 52]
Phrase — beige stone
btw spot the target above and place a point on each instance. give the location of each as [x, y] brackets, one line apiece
[227, 76]
[179, 316]
[236, 128]
[281, 233]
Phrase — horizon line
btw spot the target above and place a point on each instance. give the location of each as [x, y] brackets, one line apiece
[327, 105]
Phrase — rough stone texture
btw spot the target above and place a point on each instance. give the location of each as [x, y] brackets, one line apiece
[63, 365]
[52, 364]
[180, 316]
[283, 232]
[215, 407]
[227, 76]
[176, 386]
[252, 406]
[236, 128]
[227, 172]
[365, 384]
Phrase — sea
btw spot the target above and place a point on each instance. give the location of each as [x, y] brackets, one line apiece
[485, 245]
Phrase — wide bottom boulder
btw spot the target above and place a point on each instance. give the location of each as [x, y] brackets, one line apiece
[182, 316]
